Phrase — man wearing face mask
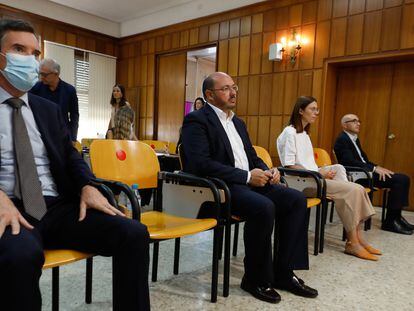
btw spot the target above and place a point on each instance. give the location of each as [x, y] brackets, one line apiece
[58, 91]
[46, 195]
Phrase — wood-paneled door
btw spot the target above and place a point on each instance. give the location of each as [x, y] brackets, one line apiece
[170, 95]
[380, 95]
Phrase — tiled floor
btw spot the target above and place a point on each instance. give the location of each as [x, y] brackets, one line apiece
[344, 282]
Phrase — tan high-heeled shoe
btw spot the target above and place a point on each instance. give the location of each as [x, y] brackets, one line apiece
[359, 251]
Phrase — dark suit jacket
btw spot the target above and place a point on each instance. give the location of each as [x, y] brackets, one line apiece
[347, 154]
[207, 149]
[66, 98]
[69, 170]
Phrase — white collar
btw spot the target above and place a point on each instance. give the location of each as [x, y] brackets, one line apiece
[4, 95]
[221, 114]
[353, 137]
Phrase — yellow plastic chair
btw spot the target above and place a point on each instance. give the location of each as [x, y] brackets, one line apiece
[176, 205]
[172, 148]
[263, 154]
[157, 145]
[78, 146]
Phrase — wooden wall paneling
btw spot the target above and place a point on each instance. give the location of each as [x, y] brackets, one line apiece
[144, 71]
[291, 91]
[338, 37]
[340, 8]
[122, 71]
[245, 25]
[263, 132]
[326, 115]
[194, 36]
[109, 49]
[278, 94]
[307, 52]
[257, 23]
[317, 85]
[60, 36]
[407, 27]
[144, 47]
[233, 59]
[392, 3]
[137, 70]
[213, 32]
[151, 45]
[175, 40]
[167, 42]
[131, 50]
[223, 52]
[254, 95]
[143, 102]
[142, 129]
[150, 102]
[203, 34]
[409, 1]
[149, 128]
[275, 130]
[252, 128]
[279, 66]
[356, 6]
[268, 38]
[265, 100]
[71, 39]
[131, 73]
[372, 38]
[354, 34]
[151, 69]
[282, 17]
[49, 33]
[295, 15]
[324, 9]
[390, 34]
[322, 42]
[269, 21]
[305, 83]
[242, 96]
[123, 51]
[79, 43]
[255, 53]
[309, 12]
[244, 56]
[159, 44]
[184, 36]
[234, 28]
[374, 5]
[224, 30]
[91, 44]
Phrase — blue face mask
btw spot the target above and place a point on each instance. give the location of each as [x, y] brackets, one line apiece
[22, 71]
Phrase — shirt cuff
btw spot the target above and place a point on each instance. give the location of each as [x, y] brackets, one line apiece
[374, 169]
[249, 175]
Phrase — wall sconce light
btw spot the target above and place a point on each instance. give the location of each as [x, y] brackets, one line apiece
[287, 50]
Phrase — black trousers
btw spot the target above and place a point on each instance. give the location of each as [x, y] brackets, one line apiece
[21, 256]
[260, 207]
[399, 185]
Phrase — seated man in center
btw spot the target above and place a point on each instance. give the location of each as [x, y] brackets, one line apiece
[216, 144]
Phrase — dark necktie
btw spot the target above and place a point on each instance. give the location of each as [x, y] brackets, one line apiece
[27, 184]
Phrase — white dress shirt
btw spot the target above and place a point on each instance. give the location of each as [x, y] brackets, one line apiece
[354, 138]
[240, 156]
[7, 178]
[296, 149]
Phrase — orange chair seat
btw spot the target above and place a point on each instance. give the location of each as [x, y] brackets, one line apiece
[311, 202]
[163, 226]
[60, 257]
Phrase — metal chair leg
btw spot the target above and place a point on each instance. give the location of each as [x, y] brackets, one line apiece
[323, 223]
[55, 289]
[155, 261]
[384, 204]
[88, 289]
[176, 255]
[331, 215]
[226, 272]
[317, 230]
[214, 273]
[220, 246]
[236, 238]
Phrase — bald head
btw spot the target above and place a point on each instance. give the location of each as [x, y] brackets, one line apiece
[209, 82]
[219, 90]
[350, 123]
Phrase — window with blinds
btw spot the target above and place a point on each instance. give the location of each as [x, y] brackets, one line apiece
[82, 84]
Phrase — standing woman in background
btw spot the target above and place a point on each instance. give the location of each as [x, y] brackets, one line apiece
[351, 201]
[121, 125]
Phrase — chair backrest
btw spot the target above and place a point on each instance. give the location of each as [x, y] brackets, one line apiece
[78, 146]
[322, 157]
[264, 155]
[130, 162]
[172, 148]
[86, 142]
[157, 145]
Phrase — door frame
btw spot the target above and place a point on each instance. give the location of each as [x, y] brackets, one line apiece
[331, 68]
[157, 67]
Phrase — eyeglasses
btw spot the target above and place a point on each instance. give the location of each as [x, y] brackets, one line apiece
[315, 110]
[353, 121]
[227, 88]
[45, 74]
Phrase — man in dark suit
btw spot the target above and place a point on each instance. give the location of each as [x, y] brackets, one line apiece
[46, 201]
[58, 91]
[216, 144]
[349, 152]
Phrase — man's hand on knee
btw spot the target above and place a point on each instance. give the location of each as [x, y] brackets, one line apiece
[92, 198]
[10, 216]
[259, 178]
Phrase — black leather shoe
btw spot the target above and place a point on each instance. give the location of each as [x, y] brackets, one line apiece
[396, 226]
[406, 224]
[264, 293]
[297, 287]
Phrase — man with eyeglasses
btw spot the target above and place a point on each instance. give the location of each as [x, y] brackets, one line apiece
[58, 91]
[349, 152]
[216, 144]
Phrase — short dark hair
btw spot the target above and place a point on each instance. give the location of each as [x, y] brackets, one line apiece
[7, 25]
[208, 84]
[295, 118]
[123, 100]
